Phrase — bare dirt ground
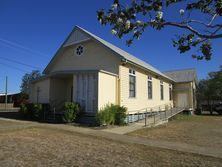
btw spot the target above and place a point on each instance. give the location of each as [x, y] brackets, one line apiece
[196, 130]
[39, 146]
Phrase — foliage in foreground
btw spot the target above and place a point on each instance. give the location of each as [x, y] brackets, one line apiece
[70, 111]
[111, 114]
[133, 18]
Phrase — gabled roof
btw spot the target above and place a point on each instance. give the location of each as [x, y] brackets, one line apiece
[185, 75]
[123, 54]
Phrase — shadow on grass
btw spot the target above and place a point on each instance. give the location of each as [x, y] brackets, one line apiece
[11, 115]
[207, 113]
[16, 115]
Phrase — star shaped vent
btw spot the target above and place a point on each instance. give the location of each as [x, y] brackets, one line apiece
[79, 50]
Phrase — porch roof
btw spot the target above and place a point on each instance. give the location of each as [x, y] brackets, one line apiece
[184, 75]
[69, 73]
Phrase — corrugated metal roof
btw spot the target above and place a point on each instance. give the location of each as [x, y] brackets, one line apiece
[3, 94]
[126, 55]
[186, 75]
[118, 51]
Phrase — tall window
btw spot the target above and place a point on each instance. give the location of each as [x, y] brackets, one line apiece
[150, 88]
[161, 90]
[132, 83]
[170, 92]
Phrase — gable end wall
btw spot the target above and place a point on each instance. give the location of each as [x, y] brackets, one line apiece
[94, 57]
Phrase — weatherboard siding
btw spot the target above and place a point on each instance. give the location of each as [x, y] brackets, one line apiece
[113, 85]
[94, 57]
[60, 89]
[44, 91]
[141, 100]
[75, 37]
[187, 88]
[107, 93]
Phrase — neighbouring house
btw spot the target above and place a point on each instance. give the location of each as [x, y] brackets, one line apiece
[93, 72]
[12, 100]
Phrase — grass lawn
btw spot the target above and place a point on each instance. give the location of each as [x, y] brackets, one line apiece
[196, 130]
[39, 146]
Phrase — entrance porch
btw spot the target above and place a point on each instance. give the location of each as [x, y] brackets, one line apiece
[81, 87]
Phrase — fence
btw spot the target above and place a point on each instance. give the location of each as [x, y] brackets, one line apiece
[9, 105]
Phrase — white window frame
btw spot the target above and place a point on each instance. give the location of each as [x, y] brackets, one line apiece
[170, 92]
[161, 90]
[132, 72]
[150, 80]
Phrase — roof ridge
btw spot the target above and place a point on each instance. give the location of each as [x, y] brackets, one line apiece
[177, 70]
[115, 49]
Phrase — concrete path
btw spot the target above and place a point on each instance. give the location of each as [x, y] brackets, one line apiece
[160, 118]
[124, 129]
[206, 151]
[131, 127]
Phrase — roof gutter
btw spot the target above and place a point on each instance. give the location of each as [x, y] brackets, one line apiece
[125, 61]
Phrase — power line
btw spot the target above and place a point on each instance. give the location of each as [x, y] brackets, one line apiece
[14, 61]
[23, 47]
[24, 52]
[9, 66]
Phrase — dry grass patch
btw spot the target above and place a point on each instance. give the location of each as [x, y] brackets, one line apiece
[196, 130]
[53, 147]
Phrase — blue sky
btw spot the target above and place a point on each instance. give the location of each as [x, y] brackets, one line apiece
[42, 26]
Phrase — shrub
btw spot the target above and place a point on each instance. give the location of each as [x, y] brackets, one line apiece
[111, 114]
[30, 113]
[70, 111]
[120, 115]
[23, 109]
[26, 109]
[105, 116]
[37, 110]
[32, 110]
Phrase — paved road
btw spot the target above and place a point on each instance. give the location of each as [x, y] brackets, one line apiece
[207, 151]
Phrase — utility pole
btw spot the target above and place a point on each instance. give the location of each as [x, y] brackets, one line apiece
[6, 92]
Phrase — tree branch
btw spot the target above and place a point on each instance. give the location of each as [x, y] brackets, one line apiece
[187, 27]
[206, 25]
[212, 19]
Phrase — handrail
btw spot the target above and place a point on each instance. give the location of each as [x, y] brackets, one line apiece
[156, 116]
[144, 110]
